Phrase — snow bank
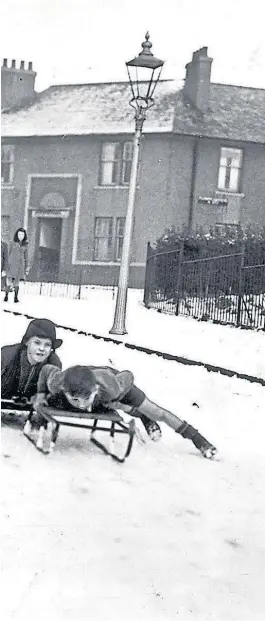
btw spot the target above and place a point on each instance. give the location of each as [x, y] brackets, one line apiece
[224, 346]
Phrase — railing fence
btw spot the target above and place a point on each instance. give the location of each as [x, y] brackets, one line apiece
[224, 288]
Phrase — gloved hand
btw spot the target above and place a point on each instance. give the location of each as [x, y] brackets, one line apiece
[37, 420]
[39, 399]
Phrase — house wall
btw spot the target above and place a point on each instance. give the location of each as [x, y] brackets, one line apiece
[253, 185]
[162, 198]
[252, 188]
[162, 195]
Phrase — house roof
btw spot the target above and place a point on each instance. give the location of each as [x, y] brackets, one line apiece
[235, 112]
[88, 109]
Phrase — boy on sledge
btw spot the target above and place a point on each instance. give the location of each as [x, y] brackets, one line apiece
[89, 388]
[22, 362]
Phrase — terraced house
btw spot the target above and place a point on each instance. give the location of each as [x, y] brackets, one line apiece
[66, 161]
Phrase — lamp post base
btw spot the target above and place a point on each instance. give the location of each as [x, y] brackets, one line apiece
[119, 331]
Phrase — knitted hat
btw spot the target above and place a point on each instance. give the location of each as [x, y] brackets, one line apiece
[43, 328]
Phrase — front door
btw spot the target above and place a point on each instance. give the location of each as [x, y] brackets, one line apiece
[50, 232]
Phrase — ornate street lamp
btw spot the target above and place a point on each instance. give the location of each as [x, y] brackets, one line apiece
[144, 72]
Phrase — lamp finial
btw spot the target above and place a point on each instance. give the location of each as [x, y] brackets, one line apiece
[146, 45]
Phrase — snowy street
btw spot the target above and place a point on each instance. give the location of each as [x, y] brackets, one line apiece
[220, 345]
[165, 536]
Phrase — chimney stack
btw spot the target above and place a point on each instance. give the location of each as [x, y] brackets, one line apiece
[198, 79]
[17, 84]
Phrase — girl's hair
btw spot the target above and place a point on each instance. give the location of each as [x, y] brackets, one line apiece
[79, 380]
[25, 240]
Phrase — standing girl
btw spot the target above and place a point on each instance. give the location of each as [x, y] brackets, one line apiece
[17, 265]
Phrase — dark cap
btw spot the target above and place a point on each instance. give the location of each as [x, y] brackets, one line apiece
[43, 328]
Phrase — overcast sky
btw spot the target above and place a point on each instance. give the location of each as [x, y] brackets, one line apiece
[73, 41]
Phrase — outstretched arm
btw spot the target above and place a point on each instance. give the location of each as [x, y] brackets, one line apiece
[49, 381]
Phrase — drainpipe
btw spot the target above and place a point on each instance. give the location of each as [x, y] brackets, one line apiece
[193, 181]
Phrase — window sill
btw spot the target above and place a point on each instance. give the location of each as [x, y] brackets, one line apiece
[107, 263]
[111, 187]
[228, 223]
[7, 186]
[229, 193]
[98, 262]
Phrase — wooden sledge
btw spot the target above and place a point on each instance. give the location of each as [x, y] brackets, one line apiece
[16, 407]
[53, 418]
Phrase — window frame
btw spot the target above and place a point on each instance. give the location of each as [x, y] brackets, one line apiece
[125, 160]
[121, 161]
[226, 169]
[119, 237]
[114, 238]
[6, 230]
[98, 237]
[10, 162]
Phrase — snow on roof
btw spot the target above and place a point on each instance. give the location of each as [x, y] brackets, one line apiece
[89, 109]
[235, 112]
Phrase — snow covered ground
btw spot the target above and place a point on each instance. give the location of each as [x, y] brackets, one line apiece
[224, 346]
[165, 536]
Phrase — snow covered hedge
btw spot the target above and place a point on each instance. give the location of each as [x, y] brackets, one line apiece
[225, 239]
[222, 262]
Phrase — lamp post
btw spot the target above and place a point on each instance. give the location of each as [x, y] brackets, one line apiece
[144, 72]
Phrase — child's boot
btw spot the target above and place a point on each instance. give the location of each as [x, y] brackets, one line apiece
[152, 428]
[187, 431]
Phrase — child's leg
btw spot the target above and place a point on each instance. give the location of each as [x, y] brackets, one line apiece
[151, 426]
[8, 287]
[155, 412]
[16, 289]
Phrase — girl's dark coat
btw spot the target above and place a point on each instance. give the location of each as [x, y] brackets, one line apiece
[14, 365]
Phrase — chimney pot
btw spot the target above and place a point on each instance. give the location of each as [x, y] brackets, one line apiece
[17, 90]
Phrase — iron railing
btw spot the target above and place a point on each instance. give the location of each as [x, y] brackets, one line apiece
[224, 288]
[60, 288]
